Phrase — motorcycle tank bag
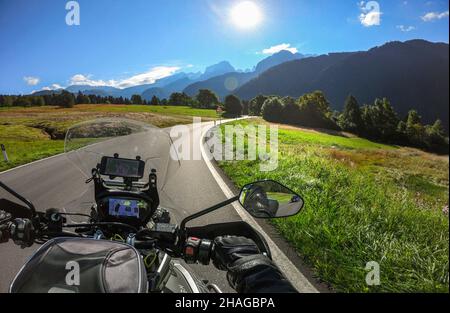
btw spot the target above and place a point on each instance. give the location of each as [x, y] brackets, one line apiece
[75, 265]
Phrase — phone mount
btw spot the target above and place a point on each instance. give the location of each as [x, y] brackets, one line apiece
[130, 187]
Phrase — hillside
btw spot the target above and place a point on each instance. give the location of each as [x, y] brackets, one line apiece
[412, 75]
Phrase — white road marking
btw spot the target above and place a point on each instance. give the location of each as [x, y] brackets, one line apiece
[300, 282]
[31, 163]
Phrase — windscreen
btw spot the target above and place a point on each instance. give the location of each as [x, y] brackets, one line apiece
[87, 143]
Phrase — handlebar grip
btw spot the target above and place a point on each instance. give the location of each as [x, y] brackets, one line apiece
[198, 251]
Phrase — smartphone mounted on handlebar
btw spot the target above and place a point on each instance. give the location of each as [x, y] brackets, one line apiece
[125, 168]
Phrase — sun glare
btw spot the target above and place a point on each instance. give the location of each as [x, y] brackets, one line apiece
[246, 14]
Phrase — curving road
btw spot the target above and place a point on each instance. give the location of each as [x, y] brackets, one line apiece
[55, 182]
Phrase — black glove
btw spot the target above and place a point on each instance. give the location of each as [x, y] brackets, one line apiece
[4, 227]
[248, 270]
[228, 249]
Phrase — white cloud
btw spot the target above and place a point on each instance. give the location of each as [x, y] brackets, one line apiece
[278, 48]
[371, 13]
[148, 77]
[432, 16]
[31, 81]
[52, 87]
[405, 29]
[80, 79]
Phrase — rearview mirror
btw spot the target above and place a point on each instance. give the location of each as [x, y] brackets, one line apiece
[270, 199]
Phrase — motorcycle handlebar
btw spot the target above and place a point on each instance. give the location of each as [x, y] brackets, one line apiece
[193, 251]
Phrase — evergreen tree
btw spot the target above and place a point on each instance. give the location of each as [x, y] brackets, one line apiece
[351, 118]
[136, 99]
[155, 101]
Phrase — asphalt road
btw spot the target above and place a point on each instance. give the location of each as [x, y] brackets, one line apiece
[56, 182]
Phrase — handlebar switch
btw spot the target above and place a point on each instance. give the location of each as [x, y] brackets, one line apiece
[22, 232]
[191, 250]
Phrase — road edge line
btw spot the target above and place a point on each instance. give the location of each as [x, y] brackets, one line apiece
[33, 162]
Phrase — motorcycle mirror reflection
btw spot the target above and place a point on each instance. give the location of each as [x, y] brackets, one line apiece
[270, 199]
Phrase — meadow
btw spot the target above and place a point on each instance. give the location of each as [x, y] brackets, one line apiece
[364, 202]
[34, 133]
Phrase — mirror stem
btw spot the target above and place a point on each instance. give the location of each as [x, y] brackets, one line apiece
[15, 194]
[206, 211]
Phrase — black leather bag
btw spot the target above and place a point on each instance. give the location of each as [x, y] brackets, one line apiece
[75, 265]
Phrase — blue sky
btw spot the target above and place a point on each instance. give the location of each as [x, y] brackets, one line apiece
[126, 42]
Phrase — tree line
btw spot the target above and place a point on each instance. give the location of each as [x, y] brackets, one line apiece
[205, 99]
[378, 121]
[66, 99]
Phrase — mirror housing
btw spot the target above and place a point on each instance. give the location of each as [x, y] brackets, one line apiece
[270, 199]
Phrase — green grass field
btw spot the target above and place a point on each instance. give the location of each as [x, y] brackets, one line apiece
[34, 133]
[364, 202]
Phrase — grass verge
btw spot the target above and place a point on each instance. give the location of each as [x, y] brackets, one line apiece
[364, 202]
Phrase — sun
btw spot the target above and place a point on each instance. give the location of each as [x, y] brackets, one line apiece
[246, 15]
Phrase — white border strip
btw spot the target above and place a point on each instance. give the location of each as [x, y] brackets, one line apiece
[299, 281]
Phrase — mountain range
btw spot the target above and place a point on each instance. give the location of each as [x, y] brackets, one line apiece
[412, 75]
[214, 77]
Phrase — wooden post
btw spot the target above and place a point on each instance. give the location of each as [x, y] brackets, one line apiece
[5, 155]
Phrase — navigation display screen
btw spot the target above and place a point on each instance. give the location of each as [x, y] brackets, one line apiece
[123, 207]
[122, 167]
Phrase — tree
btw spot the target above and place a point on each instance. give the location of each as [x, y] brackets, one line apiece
[38, 101]
[319, 100]
[413, 118]
[351, 119]
[255, 105]
[66, 99]
[233, 105]
[155, 101]
[207, 99]
[245, 107]
[415, 131]
[6, 101]
[437, 129]
[136, 99]
[82, 99]
[380, 121]
[22, 102]
[291, 111]
[315, 111]
[180, 99]
[272, 110]
[437, 139]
